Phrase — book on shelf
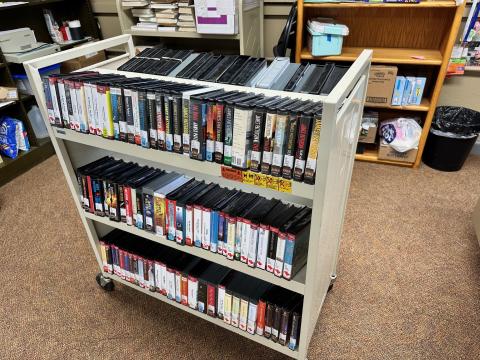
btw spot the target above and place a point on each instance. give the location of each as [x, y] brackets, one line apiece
[167, 28]
[163, 6]
[166, 16]
[147, 19]
[143, 28]
[188, 18]
[187, 28]
[166, 22]
[143, 12]
[134, 3]
[186, 10]
[147, 25]
[186, 24]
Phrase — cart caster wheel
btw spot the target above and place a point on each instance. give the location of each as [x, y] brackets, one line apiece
[333, 277]
[105, 283]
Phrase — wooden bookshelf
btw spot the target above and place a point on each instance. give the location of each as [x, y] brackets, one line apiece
[412, 36]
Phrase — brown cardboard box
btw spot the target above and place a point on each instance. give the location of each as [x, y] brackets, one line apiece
[386, 152]
[368, 136]
[380, 84]
[82, 61]
[8, 93]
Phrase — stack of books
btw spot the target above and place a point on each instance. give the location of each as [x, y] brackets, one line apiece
[146, 19]
[186, 18]
[166, 14]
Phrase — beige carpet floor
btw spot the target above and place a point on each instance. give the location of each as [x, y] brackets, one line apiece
[408, 279]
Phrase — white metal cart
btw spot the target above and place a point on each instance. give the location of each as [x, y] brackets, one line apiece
[342, 112]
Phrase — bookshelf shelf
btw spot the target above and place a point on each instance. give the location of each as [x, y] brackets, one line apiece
[412, 36]
[383, 55]
[180, 34]
[424, 106]
[328, 197]
[297, 284]
[371, 155]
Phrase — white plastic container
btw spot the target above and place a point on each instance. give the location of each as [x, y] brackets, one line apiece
[37, 122]
[23, 84]
[325, 37]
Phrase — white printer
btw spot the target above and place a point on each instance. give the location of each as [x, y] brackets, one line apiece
[20, 45]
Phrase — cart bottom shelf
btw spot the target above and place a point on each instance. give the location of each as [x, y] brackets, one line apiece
[259, 339]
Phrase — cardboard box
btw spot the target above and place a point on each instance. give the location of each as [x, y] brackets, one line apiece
[408, 91]
[380, 84]
[8, 93]
[386, 152]
[397, 96]
[82, 61]
[368, 136]
[369, 127]
[216, 16]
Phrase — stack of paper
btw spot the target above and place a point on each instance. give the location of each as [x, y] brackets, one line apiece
[145, 15]
[135, 3]
[186, 18]
[166, 14]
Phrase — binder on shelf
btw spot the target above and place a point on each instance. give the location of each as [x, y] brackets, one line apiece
[171, 207]
[269, 135]
[187, 120]
[311, 163]
[274, 231]
[130, 189]
[279, 140]
[259, 130]
[189, 234]
[292, 244]
[158, 205]
[193, 283]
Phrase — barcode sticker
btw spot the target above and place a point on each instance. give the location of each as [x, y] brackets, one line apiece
[311, 164]
[148, 220]
[288, 161]
[267, 157]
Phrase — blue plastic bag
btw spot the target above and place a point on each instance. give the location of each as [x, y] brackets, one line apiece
[13, 137]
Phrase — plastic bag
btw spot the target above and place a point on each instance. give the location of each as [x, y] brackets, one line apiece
[402, 134]
[457, 120]
[13, 137]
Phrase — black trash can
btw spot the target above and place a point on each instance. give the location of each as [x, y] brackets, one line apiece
[454, 132]
[446, 152]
